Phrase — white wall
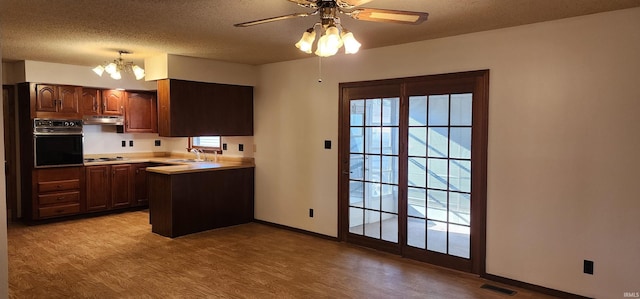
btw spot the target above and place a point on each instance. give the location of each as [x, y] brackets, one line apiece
[199, 69]
[56, 73]
[105, 140]
[563, 143]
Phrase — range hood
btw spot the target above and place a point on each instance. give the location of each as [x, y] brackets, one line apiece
[103, 120]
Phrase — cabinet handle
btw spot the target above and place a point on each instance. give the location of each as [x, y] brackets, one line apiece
[59, 186]
[58, 211]
[60, 198]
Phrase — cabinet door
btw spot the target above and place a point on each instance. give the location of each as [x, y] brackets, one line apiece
[90, 101]
[182, 112]
[112, 102]
[97, 179]
[141, 113]
[140, 196]
[46, 98]
[120, 186]
[69, 99]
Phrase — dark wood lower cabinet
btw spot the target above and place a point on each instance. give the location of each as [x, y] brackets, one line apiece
[97, 195]
[120, 186]
[186, 203]
[56, 192]
[108, 187]
[140, 194]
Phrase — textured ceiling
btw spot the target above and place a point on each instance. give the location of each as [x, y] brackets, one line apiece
[92, 31]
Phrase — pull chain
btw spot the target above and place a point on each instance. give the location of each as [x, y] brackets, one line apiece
[319, 69]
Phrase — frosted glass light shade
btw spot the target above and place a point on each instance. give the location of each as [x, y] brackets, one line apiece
[306, 42]
[111, 68]
[333, 38]
[351, 45]
[99, 70]
[138, 72]
[325, 49]
[116, 75]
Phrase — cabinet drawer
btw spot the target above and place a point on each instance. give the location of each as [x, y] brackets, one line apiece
[58, 185]
[60, 210]
[55, 198]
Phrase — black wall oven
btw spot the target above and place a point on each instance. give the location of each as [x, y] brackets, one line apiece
[57, 143]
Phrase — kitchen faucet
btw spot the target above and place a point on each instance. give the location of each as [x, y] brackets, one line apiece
[197, 152]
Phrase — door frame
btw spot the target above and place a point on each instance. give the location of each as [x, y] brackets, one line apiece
[480, 81]
[9, 112]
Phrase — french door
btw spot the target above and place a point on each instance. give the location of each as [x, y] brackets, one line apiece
[413, 167]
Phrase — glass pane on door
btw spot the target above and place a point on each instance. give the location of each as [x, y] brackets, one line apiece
[373, 179]
[439, 173]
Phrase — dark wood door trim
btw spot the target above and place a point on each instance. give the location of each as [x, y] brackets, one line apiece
[473, 81]
[9, 103]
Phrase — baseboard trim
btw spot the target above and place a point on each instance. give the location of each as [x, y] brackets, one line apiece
[297, 230]
[532, 287]
[491, 277]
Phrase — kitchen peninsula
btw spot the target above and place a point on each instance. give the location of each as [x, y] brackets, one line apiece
[195, 197]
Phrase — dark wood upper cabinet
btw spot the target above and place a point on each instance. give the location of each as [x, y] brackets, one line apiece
[112, 102]
[102, 102]
[56, 101]
[187, 108]
[91, 101]
[141, 112]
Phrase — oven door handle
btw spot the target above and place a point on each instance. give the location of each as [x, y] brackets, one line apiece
[42, 134]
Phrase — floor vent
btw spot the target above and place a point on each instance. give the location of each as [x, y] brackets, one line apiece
[498, 289]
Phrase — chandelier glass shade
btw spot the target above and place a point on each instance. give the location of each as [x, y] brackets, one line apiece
[330, 42]
[115, 68]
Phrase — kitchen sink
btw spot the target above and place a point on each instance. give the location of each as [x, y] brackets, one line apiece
[184, 160]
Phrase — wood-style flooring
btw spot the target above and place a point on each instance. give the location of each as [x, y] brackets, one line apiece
[117, 256]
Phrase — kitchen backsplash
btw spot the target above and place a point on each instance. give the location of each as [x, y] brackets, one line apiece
[105, 140]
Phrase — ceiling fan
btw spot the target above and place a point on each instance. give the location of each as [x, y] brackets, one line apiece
[328, 11]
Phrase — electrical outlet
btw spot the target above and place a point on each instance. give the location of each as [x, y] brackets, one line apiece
[157, 142]
[311, 213]
[240, 147]
[130, 142]
[588, 267]
[327, 144]
[224, 146]
[124, 143]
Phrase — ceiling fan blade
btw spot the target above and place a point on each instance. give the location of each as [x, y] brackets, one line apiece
[355, 2]
[388, 15]
[267, 20]
[305, 3]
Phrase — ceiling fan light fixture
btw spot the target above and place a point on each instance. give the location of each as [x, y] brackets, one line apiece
[332, 40]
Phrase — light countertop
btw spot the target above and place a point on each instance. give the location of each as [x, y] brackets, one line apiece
[174, 165]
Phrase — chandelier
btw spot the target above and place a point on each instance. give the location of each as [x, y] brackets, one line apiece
[115, 68]
[334, 37]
